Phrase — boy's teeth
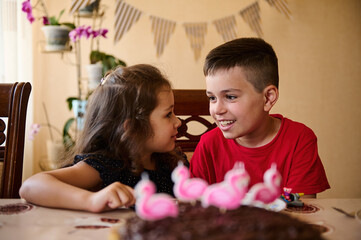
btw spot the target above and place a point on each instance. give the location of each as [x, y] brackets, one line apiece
[225, 123]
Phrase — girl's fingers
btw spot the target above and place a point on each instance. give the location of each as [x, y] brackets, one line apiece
[122, 196]
[115, 202]
[127, 196]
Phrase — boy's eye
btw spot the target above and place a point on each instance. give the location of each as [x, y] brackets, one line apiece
[231, 97]
[211, 98]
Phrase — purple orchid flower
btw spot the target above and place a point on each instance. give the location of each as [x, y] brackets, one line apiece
[26, 7]
[45, 20]
[87, 32]
[95, 34]
[103, 32]
[73, 35]
[34, 129]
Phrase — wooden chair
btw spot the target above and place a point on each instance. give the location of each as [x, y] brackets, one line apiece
[191, 106]
[13, 106]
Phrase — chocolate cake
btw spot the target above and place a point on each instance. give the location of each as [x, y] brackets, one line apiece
[195, 222]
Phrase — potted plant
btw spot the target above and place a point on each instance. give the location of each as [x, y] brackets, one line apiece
[108, 61]
[78, 106]
[58, 143]
[100, 62]
[89, 9]
[56, 33]
[61, 141]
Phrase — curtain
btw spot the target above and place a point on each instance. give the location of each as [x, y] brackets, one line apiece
[15, 43]
[16, 60]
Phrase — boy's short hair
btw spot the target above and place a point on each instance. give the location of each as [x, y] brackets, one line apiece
[254, 55]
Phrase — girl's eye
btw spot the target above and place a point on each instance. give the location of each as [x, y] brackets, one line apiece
[169, 115]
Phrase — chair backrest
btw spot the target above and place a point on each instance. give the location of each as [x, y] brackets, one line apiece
[191, 106]
[13, 106]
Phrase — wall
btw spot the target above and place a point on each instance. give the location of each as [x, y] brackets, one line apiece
[319, 57]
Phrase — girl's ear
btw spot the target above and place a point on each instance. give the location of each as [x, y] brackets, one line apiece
[270, 97]
[126, 124]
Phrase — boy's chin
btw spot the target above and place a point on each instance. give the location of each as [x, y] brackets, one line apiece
[229, 135]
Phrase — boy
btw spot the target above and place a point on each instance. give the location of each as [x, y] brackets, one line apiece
[242, 86]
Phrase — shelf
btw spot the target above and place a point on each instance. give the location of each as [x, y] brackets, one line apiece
[57, 51]
[88, 14]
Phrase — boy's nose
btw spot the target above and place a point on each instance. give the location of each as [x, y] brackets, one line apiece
[217, 107]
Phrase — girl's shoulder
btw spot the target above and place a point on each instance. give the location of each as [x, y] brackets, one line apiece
[98, 159]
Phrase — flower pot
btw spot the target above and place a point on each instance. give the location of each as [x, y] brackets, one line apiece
[79, 107]
[55, 150]
[88, 10]
[94, 75]
[57, 37]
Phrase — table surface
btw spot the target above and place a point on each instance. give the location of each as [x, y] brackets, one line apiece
[35, 222]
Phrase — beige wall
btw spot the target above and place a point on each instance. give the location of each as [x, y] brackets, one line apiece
[319, 53]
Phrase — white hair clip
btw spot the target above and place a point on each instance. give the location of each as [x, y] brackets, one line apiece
[102, 81]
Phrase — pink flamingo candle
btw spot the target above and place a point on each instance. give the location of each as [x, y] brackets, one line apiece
[268, 191]
[150, 205]
[229, 193]
[185, 188]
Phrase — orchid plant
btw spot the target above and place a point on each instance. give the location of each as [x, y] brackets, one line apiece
[46, 19]
[87, 32]
[108, 61]
[67, 140]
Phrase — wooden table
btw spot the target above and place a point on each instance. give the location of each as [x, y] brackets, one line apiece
[337, 225]
[35, 222]
[47, 224]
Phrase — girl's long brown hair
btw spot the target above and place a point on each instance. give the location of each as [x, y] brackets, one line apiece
[117, 117]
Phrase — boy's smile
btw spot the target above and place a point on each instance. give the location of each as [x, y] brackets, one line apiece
[238, 109]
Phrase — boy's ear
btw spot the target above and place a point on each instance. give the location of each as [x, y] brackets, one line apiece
[270, 97]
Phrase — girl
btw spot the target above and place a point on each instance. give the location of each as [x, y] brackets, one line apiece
[130, 127]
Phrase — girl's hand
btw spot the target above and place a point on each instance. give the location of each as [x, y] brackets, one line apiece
[113, 196]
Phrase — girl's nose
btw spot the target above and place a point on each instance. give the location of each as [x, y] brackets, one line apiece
[177, 122]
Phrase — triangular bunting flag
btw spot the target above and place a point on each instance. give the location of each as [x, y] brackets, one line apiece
[162, 30]
[125, 17]
[78, 4]
[226, 27]
[251, 15]
[196, 32]
[281, 6]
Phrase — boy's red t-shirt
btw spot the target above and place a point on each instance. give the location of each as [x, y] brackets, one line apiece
[294, 150]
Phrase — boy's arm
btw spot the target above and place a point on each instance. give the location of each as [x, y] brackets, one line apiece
[307, 174]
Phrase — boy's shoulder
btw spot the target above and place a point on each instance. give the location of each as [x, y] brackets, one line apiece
[294, 127]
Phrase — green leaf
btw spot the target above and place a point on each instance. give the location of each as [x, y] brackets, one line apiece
[60, 14]
[108, 61]
[120, 62]
[53, 21]
[68, 142]
[69, 100]
[68, 24]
